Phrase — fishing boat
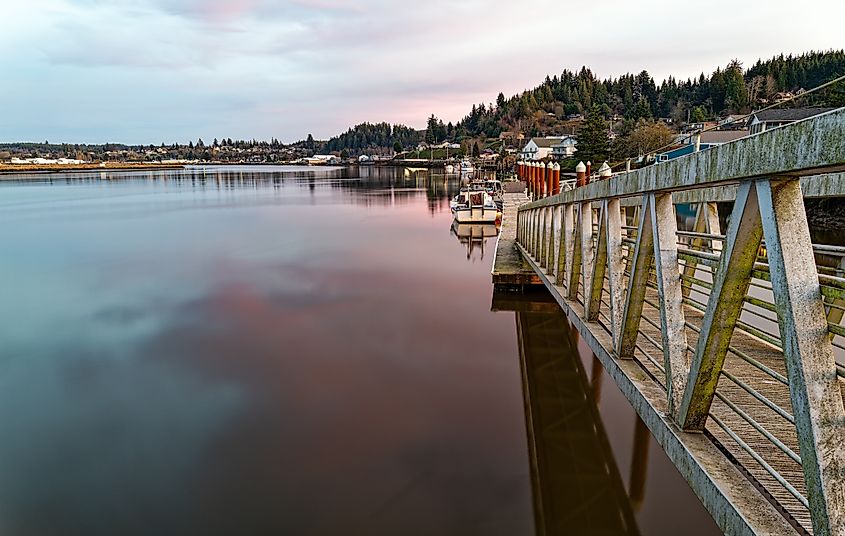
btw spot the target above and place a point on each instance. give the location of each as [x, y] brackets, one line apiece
[467, 166]
[496, 191]
[474, 206]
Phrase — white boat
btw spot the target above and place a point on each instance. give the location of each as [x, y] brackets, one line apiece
[474, 206]
[467, 167]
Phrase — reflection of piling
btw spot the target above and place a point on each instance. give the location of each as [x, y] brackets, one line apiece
[639, 464]
[595, 379]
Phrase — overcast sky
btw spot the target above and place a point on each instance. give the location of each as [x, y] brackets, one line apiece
[147, 71]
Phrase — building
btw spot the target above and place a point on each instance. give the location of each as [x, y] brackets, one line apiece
[564, 148]
[769, 119]
[539, 148]
[711, 138]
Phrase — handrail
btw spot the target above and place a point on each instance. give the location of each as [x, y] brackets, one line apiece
[758, 280]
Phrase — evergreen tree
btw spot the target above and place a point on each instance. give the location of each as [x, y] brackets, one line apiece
[593, 141]
[736, 93]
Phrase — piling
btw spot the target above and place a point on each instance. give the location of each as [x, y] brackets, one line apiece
[542, 178]
[580, 174]
[589, 172]
[556, 179]
[605, 172]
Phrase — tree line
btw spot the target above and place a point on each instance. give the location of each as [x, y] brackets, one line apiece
[634, 97]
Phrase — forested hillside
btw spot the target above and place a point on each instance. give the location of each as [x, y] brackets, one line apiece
[545, 110]
[730, 89]
[370, 137]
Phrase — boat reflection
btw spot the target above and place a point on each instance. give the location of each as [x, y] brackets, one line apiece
[474, 237]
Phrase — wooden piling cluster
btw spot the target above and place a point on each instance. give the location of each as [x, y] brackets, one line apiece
[542, 179]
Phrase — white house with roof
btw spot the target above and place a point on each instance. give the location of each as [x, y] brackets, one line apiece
[539, 148]
[565, 147]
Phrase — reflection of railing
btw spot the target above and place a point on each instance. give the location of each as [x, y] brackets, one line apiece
[740, 335]
[577, 487]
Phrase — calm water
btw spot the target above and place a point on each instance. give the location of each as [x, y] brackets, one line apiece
[283, 351]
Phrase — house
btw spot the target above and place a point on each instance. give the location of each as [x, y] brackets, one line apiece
[711, 138]
[565, 148]
[769, 119]
[539, 148]
[733, 122]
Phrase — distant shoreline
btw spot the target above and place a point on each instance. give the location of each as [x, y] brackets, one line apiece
[38, 169]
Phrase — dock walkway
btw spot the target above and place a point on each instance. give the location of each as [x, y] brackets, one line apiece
[510, 269]
[729, 343]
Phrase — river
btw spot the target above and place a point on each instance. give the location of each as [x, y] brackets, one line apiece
[263, 350]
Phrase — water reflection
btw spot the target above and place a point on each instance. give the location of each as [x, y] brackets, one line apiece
[582, 433]
[245, 353]
[577, 486]
[295, 351]
[475, 237]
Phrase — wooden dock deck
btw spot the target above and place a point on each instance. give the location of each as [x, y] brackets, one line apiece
[510, 269]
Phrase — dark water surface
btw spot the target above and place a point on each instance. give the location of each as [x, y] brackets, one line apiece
[283, 351]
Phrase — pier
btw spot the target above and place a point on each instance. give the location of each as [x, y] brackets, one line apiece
[511, 269]
[723, 332]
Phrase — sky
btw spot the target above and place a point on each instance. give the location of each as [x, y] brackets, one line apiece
[152, 71]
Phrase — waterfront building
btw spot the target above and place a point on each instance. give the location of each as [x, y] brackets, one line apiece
[768, 119]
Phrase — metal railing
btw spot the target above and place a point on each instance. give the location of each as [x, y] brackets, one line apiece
[742, 329]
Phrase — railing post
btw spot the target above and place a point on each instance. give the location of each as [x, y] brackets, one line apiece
[599, 269]
[813, 385]
[563, 250]
[640, 268]
[543, 237]
[575, 263]
[550, 256]
[730, 285]
[676, 359]
[586, 227]
[615, 267]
